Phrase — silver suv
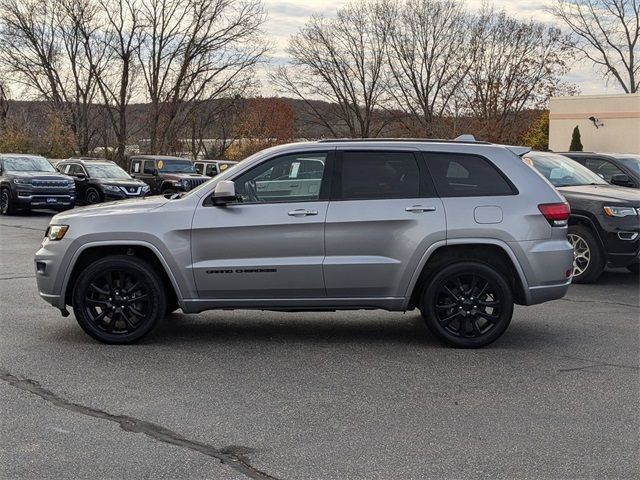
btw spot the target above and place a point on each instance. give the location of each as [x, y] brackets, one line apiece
[461, 230]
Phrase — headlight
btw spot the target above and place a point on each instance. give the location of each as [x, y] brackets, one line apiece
[57, 232]
[620, 211]
[185, 183]
[145, 188]
[111, 188]
[22, 181]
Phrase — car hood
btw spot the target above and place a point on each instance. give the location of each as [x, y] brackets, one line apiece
[125, 182]
[605, 193]
[40, 175]
[121, 207]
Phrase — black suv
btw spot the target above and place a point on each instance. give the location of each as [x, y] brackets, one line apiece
[616, 168]
[99, 180]
[604, 225]
[30, 181]
[166, 175]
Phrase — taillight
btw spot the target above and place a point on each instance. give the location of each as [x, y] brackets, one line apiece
[557, 214]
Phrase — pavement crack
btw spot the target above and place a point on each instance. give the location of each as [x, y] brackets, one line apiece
[17, 277]
[231, 456]
[594, 364]
[22, 227]
[600, 301]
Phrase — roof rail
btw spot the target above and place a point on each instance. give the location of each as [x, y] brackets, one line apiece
[460, 139]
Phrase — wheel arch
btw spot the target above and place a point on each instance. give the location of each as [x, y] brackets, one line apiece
[588, 222]
[490, 252]
[144, 250]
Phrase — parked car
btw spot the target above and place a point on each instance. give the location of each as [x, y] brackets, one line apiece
[166, 175]
[605, 219]
[211, 168]
[30, 181]
[621, 169]
[99, 180]
[457, 229]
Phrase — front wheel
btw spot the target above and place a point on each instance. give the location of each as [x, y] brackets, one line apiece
[119, 299]
[588, 261]
[467, 305]
[92, 197]
[6, 203]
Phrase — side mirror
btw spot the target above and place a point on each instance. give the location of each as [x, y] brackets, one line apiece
[225, 192]
[621, 179]
[81, 176]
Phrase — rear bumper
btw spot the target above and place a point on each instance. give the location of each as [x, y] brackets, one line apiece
[546, 293]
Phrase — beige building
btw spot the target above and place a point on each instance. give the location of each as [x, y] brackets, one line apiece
[608, 123]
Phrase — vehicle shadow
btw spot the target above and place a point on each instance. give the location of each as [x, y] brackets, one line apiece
[618, 276]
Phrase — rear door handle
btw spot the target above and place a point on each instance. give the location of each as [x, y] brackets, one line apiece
[420, 209]
[301, 212]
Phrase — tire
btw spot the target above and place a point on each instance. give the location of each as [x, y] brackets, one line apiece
[6, 203]
[634, 268]
[588, 260]
[92, 196]
[168, 191]
[105, 313]
[467, 305]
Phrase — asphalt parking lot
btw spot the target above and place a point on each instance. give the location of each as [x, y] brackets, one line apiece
[366, 395]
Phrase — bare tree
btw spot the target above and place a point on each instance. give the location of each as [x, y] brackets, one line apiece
[607, 34]
[429, 57]
[4, 104]
[341, 61]
[43, 46]
[192, 51]
[518, 65]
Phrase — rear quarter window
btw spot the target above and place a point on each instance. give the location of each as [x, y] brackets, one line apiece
[464, 175]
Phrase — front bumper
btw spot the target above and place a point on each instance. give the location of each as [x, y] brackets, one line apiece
[28, 200]
[51, 261]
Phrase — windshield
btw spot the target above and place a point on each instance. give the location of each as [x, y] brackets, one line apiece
[106, 170]
[630, 161]
[27, 164]
[562, 171]
[176, 166]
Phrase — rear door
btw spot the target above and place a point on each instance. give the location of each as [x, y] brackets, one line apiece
[268, 245]
[382, 217]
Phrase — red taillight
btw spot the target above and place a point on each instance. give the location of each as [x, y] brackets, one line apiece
[557, 214]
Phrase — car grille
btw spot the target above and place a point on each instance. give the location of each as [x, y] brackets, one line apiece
[194, 182]
[49, 184]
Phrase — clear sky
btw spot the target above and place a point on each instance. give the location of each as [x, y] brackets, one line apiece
[286, 16]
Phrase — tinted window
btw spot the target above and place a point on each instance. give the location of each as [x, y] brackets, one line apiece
[290, 178]
[149, 166]
[562, 171]
[604, 168]
[377, 175]
[198, 167]
[460, 175]
[211, 171]
[75, 169]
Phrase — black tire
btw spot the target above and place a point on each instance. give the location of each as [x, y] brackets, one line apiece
[588, 262]
[634, 268]
[92, 196]
[168, 191]
[467, 304]
[105, 313]
[6, 203]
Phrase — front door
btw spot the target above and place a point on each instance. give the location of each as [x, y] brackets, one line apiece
[270, 244]
[382, 218]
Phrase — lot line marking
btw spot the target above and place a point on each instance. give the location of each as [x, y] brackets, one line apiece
[225, 455]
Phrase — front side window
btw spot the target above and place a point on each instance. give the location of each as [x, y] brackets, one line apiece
[290, 178]
[603, 168]
[378, 175]
[198, 167]
[562, 171]
[212, 171]
[149, 166]
[462, 175]
[27, 164]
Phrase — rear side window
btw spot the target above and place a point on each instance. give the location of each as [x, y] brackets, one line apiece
[378, 175]
[461, 175]
[135, 166]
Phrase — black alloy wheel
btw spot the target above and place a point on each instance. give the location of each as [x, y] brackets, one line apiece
[119, 299]
[92, 196]
[468, 305]
[6, 205]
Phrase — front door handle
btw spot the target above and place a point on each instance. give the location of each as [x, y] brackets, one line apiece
[420, 209]
[301, 212]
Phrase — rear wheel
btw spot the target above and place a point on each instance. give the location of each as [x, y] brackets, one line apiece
[119, 299]
[6, 204]
[467, 305]
[588, 261]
